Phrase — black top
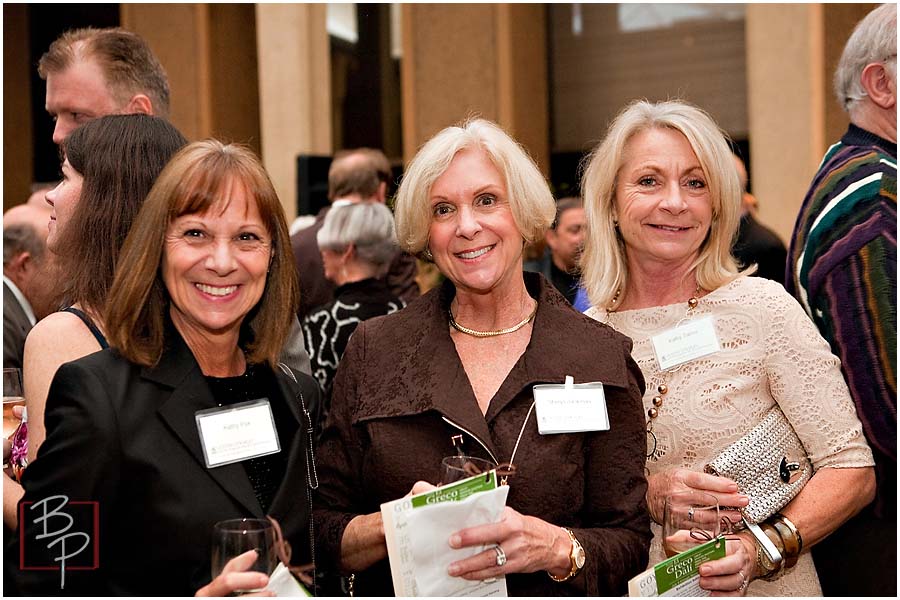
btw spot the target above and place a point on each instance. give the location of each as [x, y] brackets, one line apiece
[89, 324]
[265, 472]
[565, 283]
[857, 136]
[328, 328]
[757, 244]
[125, 437]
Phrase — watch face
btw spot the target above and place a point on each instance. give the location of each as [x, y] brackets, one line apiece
[579, 557]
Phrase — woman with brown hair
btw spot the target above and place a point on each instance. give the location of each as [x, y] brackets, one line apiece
[203, 299]
[109, 165]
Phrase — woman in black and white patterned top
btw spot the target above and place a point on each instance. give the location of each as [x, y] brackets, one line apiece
[357, 243]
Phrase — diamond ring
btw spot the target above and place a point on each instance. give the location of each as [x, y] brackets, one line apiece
[501, 555]
[744, 581]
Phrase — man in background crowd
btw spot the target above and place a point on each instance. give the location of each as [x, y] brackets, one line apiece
[91, 73]
[359, 175]
[756, 243]
[565, 240]
[27, 277]
[842, 267]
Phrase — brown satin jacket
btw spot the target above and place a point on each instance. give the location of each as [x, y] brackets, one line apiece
[401, 393]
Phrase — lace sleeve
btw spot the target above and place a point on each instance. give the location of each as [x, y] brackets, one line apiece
[806, 380]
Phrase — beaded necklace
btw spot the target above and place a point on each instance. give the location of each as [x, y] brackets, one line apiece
[662, 387]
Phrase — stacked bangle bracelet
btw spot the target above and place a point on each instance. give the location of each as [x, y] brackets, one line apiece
[786, 537]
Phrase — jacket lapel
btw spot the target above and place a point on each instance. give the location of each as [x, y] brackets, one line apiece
[179, 370]
[432, 367]
[549, 356]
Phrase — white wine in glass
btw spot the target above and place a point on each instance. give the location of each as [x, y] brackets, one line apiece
[689, 519]
[12, 396]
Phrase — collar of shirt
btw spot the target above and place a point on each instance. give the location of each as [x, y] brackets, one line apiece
[23, 302]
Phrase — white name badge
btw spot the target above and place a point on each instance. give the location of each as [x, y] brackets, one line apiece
[694, 339]
[570, 408]
[237, 432]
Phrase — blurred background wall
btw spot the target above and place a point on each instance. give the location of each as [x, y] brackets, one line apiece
[299, 81]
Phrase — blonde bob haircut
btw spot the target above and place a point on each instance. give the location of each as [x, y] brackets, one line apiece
[200, 178]
[530, 199]
[604, 263]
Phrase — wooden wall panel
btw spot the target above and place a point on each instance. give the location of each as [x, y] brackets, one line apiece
[451, 61]
[488, 60]
[787, 106]
[17, 130]
[179, 36]
[294, 90]
[594, 74]
[234, 78]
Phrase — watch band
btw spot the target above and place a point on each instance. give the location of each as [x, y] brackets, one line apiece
[576, 555]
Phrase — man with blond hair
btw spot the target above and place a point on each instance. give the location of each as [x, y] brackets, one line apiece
[92, 72]
[842, 267]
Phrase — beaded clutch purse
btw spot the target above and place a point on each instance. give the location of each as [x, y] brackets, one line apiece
[768, 463]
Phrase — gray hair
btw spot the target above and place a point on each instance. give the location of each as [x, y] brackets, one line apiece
[21, 238]
[368, 226]
[873, 40]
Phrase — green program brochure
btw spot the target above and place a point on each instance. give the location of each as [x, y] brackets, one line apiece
[460, 490]
[677, 576]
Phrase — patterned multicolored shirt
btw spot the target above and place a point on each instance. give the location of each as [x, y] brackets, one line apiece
[842, 267]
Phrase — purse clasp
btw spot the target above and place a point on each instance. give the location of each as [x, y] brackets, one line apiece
[789, 471]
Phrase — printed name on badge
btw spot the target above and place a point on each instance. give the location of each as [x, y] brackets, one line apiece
[237, 432]
[695, 339]
[570, 408]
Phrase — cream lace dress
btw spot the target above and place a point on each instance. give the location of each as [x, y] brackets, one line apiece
[771, 352]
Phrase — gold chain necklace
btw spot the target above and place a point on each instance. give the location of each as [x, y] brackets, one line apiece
[663, 387]
[484, 334]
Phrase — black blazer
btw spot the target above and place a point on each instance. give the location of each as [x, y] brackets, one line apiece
[125, 436]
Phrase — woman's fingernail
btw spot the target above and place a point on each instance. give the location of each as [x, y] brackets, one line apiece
[453, 569]
[705, 571]
[455, 541]
[745, 500]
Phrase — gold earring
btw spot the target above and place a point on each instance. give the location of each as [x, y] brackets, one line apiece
[426, 253]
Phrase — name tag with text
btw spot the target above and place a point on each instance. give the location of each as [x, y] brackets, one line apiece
[570, 408]
[233, 433]
[695, 339]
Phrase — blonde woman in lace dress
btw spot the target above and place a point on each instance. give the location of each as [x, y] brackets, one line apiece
[662, 201]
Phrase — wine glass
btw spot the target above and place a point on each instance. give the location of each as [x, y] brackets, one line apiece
[689, 519]
[12, 396]
[235, 536]
[456, 468]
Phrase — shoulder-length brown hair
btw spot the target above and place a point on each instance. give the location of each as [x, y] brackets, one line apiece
[119, 158]
[196, 178]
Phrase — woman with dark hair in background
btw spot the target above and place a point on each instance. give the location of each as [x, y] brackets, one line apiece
[109, 165]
